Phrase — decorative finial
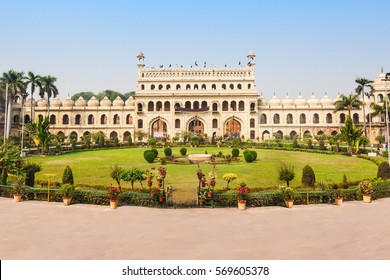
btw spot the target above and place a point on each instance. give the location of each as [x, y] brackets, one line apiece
[381, 69]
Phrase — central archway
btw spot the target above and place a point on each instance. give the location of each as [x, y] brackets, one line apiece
[159, 128]
[196, 127]
[232, 128]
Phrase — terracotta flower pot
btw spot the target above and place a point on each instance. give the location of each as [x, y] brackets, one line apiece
[339, 201]
[241, 205]
[367, 198]
[209, 194]
[289, 203]
[161, 199]
[17, 197]
[201, 202]
[113, 204]
[159, 184]
[212, 183]
[150, 184]
[66, 200]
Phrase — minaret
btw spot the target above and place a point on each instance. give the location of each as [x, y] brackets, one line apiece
[251, 58]
[141, 63]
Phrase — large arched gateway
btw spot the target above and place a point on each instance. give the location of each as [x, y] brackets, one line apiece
[232, 128]
[196, 127]
[159, 128]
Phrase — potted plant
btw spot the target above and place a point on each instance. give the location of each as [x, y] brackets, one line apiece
[212, 177]
[202, 197]
[19, 188]
[337, 195]
[242, 193]
[288, 194]
[114, 193]
[67, 191]
[366, 189]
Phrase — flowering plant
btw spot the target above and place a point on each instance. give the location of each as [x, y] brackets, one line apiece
[242, 191]
[212, 175]
[161, 173]
[288, 193]
[365, 187]
[228, 177]
[114, 193]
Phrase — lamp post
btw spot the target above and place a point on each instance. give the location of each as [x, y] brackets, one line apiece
[24, 95]
[369, 94]
[387, 78]
[6, 112]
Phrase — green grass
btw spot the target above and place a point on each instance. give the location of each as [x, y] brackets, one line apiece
[93, 167]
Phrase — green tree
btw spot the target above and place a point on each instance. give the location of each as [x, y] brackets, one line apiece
[383, 171]
[10, 161]
[351, 135]
[133, 175]
[67, 177]
[116, 174]
[99, 138]
[379, 110]
[140, 134]
[34, 81]
[286, 173]
[30, 168]
[111, 94]
[87, 95]
[347, 103]
[186, 135]
[308, 176]
[49, 88]
[362, 84]
[87, 139]
[43, 136]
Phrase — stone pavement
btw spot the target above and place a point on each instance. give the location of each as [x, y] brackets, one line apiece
[41, 230]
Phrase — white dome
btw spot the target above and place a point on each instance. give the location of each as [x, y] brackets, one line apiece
[338, 97]
[105, 102]
[326, 101]
[118, 102]
[68, 102]
[313, 100]
[93, 102]
[80, 102]
[28, 102]
[56, 102]
[300, 101]
[287, 101]
[274, 101]
[42, 102]
[130, 101]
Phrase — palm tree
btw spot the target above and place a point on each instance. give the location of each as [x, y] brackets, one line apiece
[48, 87]
[379, 110]
[347, 103]
[362, 83]
[13, 82]
[34, 81]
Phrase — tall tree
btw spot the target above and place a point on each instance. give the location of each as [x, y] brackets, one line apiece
[362, 84]
[347, 103]
[48, 87]
[351, 135]
[34, 81]
[14, 81]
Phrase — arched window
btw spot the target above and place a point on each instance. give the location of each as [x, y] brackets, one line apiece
[168, 87]
[178, 87]
[196, 105]
[302, 119]
[73, 135]
[215, 107]
[53, 119]
[116, 119]
[253, 106]
[187, 105]
[263, 119]
[233, 106]
[215, 123]
[150, 106]
[213, 86]
[158, 106]
[126, 136]
[160, 87]
[276, 119]
[241, 106]
[103, 119]
[77, 119]
[289, 119]
[177, 106]
[142, 87]
[239, 86]
[113, 135]
[334, 133]
[196, 86]
[252, 134]
[65, 119]
[204, 104]
[249, 86]
[188, 87]
[167, 106]
[231, 86]
[40, 117]
[356, 118]
[16, 119]
[139, 107]
[140, 123]
[316, 118]
[225, 106]
[26, 118]
[152, 87]
[252, 123]
[329, 118]
[91, 119]
[203, 86]
[129, 119]
[380, 98]
[342, 118]
[177, 123]
[223, 86]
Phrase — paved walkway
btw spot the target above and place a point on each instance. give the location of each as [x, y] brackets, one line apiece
[41, 230]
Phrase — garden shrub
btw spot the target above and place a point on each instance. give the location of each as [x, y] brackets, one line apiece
[168, 152]
[295, 143]
[183, 151]
[30, 169]
[149, 156]
[152, 142]
[250, 155]
[310, 144]
[383, 171]
[322, 145]
[308, 176]
[67, 177]
[155, 152]
[235, 152]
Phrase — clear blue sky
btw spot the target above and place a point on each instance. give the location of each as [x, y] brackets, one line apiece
[300, 46]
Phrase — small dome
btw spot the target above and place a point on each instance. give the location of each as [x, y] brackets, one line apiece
[118, 102]
[287, 101]
[68, 102]
[313, 100]
[326, 101]
[105, 102]
[93, 102]
[130, 101]
[251, 54]
[56, 102]
[141, 54]
[42, 102]
[274, 101]
[338, 97]
[28, 102]
[80, 102]
[300, 101]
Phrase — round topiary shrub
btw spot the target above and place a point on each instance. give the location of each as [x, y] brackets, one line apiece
[235, 152]
[250, 155]
[155, 152]
[149, 156]
[183, 151]
[308, 176]
[383, 171]
[168, 152]
[152, 142]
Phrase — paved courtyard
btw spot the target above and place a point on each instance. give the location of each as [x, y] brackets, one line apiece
[41, 230]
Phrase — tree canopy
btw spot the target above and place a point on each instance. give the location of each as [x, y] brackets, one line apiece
[111, 94]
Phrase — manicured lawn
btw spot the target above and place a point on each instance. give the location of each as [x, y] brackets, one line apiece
[93, 167]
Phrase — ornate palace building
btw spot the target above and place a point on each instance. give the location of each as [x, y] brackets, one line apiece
[205, 101]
